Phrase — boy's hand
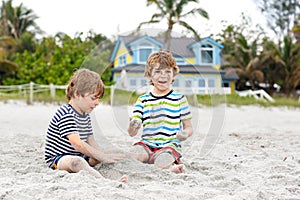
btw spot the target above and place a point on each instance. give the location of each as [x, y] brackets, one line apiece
[182, 135]
[136, 123]
[112, 158]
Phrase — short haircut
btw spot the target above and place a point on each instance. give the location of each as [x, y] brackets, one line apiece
[162, 59]
[85, 81]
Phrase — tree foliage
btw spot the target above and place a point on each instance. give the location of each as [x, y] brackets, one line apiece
[280, 15]
[174, 12]
[254, 56]
[17, 20]
[56, 58]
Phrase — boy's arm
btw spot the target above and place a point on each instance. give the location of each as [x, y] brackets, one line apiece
[187, 130]
[134, 126]
[91, 151]
[187, 126]
[91, 141]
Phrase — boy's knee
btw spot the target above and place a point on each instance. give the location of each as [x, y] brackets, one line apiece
[140, 154]
[77, 164]
[92, 162]
[164, 160]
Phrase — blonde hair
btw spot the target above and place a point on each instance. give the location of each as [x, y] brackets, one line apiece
[162, 59]
[85, 82]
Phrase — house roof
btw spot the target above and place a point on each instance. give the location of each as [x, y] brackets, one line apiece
[179, 46]
[230, 74]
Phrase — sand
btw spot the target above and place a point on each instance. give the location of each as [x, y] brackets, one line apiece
[246, 152]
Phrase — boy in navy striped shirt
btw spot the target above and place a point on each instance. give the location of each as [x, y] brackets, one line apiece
[164, 115]
[70, 144]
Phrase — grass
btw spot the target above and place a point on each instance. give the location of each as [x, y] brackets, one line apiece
[124, 98]
[234, 99]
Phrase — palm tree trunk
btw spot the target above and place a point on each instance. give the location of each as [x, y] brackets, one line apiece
[167, 45]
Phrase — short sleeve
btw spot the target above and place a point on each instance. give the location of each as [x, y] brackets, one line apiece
[67, 125]
[185, 112]
[137, 112]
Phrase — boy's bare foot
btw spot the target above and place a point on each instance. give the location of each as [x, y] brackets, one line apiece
[164, 160]
[124, 179]
[177, 168]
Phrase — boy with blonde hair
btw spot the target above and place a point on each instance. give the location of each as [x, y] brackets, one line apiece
[70, 144]
[164, 115]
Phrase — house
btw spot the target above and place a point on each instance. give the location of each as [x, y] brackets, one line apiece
[199, 63]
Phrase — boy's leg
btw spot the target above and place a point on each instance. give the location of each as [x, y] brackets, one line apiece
[76, 164]
[177, 168]
[93, 162]
[168, 158]
[140, 153]
[164, 160]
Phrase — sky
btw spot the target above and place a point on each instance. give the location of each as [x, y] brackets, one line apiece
[114, 17]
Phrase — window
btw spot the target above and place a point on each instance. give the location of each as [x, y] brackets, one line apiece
[144, 54]
[122, 60]
[211, 83]
[201, 82]
[145, 49]
[188, 83]
[132, 82]
[207, 54]
[226, 84]
[143, 82]
[179, 60]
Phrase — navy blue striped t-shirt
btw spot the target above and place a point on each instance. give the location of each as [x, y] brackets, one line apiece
[65, 121]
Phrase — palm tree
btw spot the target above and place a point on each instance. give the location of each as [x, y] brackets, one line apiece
[283, 63]
[290, 56]
[296, 29]
[272, 64]
[173, 11]
[7, 67]
[244, 59]
[17, 20]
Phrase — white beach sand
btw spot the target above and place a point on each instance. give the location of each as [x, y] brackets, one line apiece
[255, 156]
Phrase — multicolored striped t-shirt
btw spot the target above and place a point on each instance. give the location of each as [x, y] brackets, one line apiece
[162, 118]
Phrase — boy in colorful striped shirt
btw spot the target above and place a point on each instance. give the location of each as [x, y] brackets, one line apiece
[164, 115]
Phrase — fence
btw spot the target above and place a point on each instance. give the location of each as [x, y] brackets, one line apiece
[257, 94]
[29, 89]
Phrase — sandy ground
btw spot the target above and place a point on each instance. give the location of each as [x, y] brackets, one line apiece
[238, 153]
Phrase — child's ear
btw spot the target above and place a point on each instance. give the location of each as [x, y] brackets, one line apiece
[147, 74]
[76, 95]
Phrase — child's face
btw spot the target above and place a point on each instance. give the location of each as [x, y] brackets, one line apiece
[86, 103]
[162, 78]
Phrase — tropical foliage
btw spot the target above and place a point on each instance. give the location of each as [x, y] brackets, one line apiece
[174, 12]
[23, 58]
[280, 15]
[252, 54]
[17, 20]
[56, 58]
[244, 58]
[7, 67]
[260, 61]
